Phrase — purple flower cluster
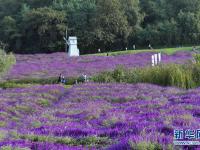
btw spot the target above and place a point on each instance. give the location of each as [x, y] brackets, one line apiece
[51, 65]
[124, 114]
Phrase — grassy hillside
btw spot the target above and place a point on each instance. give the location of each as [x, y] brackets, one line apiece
[164, 50]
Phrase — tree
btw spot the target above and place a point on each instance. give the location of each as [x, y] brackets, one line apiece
[44, 28]
[9, 32]
[189, 25]
[10, 8]
[153, 10]
[81, 17]
[175, 6]
[39, 3]
[112, 27]
[39, 26]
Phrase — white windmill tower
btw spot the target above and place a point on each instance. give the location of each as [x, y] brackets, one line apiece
[72, 43]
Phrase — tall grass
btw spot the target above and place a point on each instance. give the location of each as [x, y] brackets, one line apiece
[6, 61]
[197, 58]
[183, 76]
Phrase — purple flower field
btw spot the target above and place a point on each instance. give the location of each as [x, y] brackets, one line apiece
[51, 65]
[96, 116]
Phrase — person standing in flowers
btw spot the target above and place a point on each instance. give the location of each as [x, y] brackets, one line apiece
[84, 78]
[194, 48]
[61, 79]
[150, 47]
[134, 47]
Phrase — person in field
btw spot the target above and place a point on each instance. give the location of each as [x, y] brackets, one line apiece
[61, 79]
[150, 47]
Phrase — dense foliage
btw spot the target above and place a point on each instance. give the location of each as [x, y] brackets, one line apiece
[31, 26]
[6, 61]
[183, 76]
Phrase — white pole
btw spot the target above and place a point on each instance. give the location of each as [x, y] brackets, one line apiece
[159, 57]
[156, 59]
[153, 60]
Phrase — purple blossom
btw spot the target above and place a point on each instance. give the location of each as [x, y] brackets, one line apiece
[145, 113]
[43, 65]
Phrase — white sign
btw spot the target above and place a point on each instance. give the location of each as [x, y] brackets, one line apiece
[156, 59]
[153, 60]
[159, 57]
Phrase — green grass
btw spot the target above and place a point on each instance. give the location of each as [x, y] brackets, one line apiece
[182, 76]
[36, 124]
[43, 102]
[146, 146]
[11, 148]
[3, 134]
[23, 83]
[164, 50]
[6, 61]
[85, 141]
[197, 58]
[3, 124]
[24, 109]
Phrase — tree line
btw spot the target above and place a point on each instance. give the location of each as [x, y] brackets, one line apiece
[35, 26]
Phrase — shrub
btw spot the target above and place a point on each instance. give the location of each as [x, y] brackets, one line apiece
[197, 58]
[6, 61]
[119, 74]
[183, 76]
[196, 73]
[43, 102]
[104, 77]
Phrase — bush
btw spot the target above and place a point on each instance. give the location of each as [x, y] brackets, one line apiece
[183, 76]
[6, 61]
[168, 75]
[197, 58]
[104, 77]
[119, 74]
[43, 102]
[196, 73]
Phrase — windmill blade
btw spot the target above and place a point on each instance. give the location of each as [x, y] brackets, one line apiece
[66, 33]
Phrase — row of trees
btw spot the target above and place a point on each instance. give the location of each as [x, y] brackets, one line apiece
[32, 26]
